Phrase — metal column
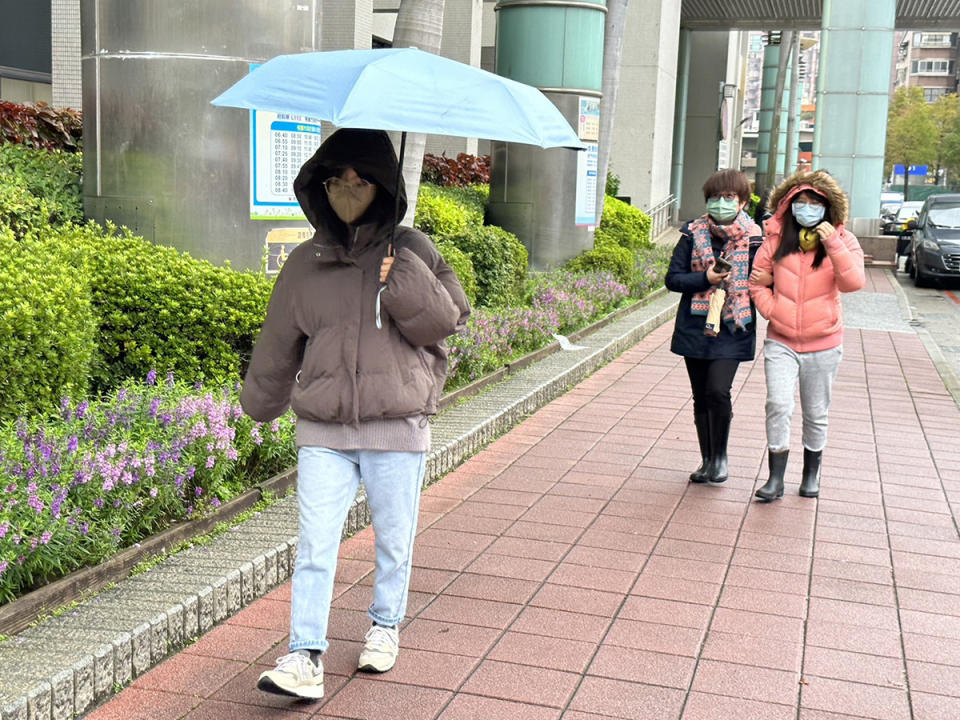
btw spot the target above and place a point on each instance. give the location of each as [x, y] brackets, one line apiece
[557, 46]
[856, 47]
[768, 94]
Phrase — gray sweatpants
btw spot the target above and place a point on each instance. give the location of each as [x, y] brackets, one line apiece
[815, 372]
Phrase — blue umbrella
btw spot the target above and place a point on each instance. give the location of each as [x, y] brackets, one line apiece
[403, 89]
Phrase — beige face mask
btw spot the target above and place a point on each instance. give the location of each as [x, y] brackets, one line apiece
[349, 201]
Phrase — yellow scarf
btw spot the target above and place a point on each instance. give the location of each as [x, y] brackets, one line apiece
[808, 239]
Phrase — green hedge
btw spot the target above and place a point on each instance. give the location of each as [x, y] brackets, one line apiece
[21, 212]
[499, 262]
[54, 177]
[461, 264]
[160, 309]
[606, 256]
[47, 324]
[445, 212]
[624, 225]
[453, 217]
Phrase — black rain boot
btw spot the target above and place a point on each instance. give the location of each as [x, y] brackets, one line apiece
[702, 473]
[719, 434]
[810, 485]
[777, 462]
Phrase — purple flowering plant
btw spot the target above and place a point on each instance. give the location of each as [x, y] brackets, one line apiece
[557, 302]
[104, 474]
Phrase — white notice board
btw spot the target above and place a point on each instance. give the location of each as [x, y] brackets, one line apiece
[586, 205]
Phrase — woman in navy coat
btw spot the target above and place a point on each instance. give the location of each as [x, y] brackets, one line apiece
[712, 360]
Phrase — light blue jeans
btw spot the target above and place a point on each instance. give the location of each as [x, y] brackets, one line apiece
[326, 487]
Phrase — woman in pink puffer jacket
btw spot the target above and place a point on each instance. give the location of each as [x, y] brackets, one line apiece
[807, 259]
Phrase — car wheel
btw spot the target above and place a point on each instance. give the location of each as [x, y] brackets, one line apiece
[920, 278]
[910, 267]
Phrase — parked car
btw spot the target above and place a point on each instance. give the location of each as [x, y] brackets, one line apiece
[890, 202]
[907, 211]
[935, 245]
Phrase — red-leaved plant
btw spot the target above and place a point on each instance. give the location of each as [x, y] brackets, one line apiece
[41, 126]
[462, 171]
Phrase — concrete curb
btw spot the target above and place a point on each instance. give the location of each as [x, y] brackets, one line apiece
[64, 666]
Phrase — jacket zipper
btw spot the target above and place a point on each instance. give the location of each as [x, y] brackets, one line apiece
[356, 369]
[801, 297]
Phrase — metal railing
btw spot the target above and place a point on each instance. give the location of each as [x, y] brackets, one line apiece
[662, 215]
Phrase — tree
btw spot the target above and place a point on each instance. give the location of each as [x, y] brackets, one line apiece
[615, 22]
[945, 113]
[911, 133]
[420, 25]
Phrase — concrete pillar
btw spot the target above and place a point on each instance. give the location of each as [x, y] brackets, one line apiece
[680, 113]
[771, 63]
[856, 49]
[537, 194]
[642, 141]
[730, 97]
[700, 126]
[461, 42]
[793, 123]
[65, 53]
[345, 26]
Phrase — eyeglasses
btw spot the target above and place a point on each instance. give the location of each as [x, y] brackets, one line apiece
[725, 196]
[336, 183]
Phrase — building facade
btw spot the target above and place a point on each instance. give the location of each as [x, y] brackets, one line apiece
[927, 60]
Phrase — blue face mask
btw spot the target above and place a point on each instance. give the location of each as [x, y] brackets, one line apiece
[722, 209]
[808, 214]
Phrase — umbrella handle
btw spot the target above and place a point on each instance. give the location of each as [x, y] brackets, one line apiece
[396, 219]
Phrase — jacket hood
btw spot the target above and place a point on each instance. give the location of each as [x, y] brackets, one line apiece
[370, 153]
[820, 182]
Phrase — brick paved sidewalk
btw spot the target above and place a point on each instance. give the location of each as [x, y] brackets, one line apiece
[571, 570]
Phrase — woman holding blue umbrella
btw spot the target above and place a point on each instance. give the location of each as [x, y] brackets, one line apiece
[353, 342]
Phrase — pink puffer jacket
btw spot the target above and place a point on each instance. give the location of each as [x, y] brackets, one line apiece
[803, 305]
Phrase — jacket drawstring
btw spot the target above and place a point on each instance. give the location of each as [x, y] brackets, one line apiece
[383, 286]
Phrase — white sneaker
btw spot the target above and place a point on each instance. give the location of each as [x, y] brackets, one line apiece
[295, 674]
[381, 649]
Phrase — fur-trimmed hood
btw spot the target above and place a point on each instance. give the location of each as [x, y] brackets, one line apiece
[820, 182]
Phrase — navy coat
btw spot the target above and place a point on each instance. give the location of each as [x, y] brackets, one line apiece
[688, 338]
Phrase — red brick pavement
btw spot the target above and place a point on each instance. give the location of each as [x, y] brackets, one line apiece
[571, 570]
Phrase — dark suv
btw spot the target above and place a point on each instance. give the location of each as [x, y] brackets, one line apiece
[935, 248]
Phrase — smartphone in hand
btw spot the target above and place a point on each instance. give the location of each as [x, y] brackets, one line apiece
[722, 265]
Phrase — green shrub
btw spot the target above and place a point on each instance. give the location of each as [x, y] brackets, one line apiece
[21, 212]
[474, 198]
[606, 256]
[160, 309]
[499, 261]
[47, 324]
[53, 177]
[624, 225]
[613, 185]
[460, 263]
[443, 213]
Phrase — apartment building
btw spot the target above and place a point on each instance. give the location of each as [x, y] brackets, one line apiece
[927, 60]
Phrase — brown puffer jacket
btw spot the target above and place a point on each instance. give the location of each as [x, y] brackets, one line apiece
[320, 350]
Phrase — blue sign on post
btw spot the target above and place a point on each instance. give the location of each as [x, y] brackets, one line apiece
[914, 170]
